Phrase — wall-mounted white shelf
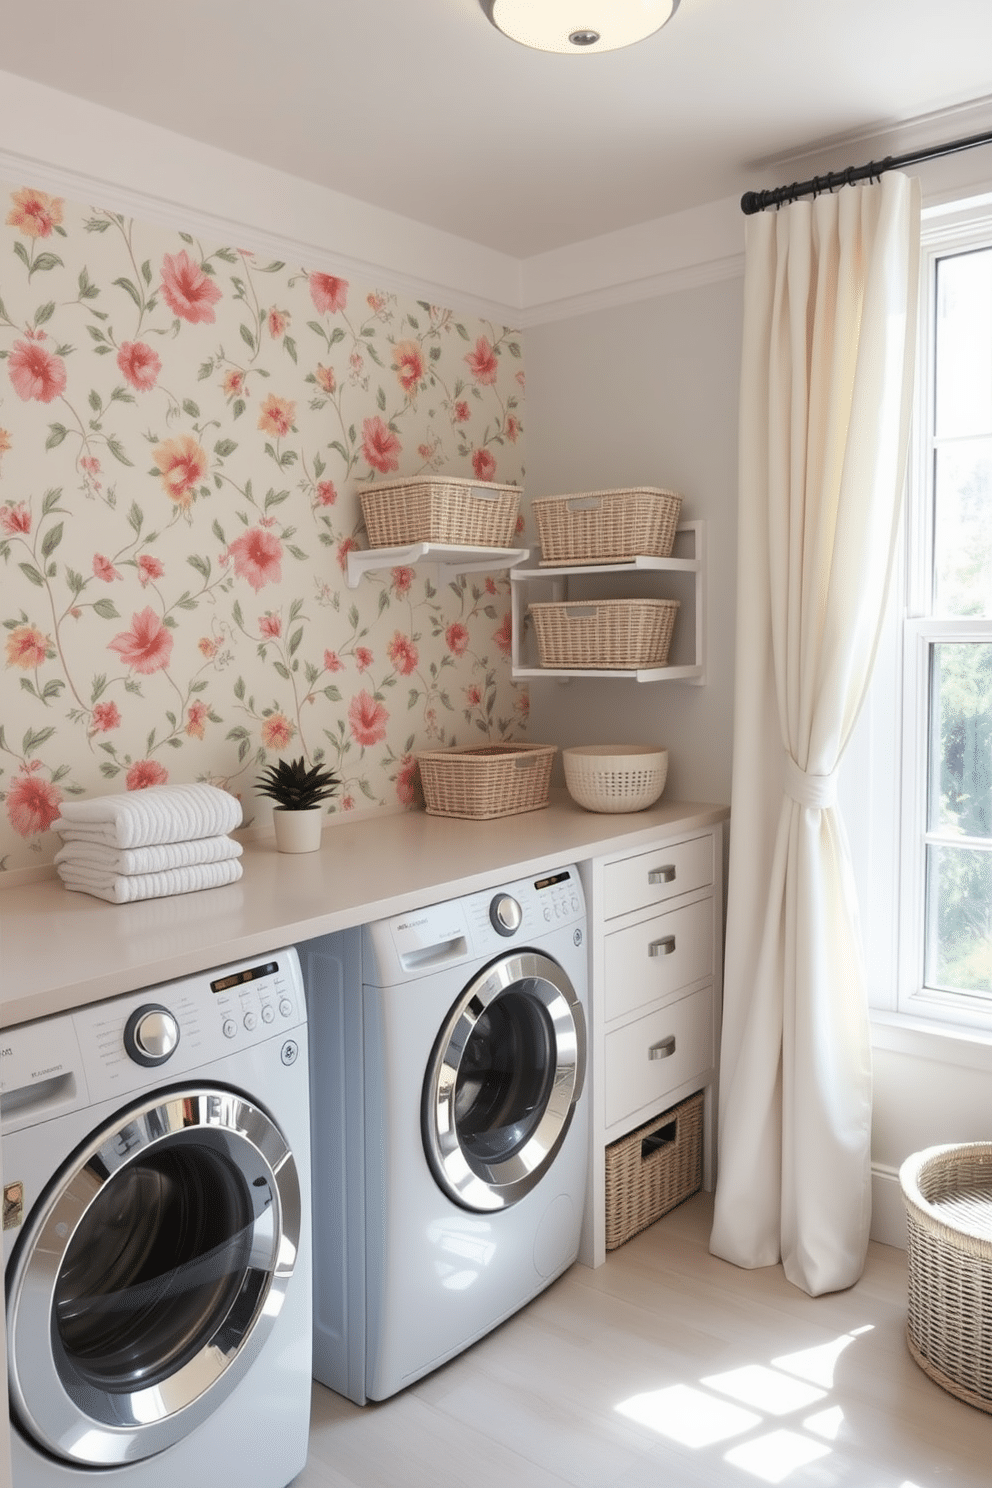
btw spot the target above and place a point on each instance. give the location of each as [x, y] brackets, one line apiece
[451, 559]
[572, 582]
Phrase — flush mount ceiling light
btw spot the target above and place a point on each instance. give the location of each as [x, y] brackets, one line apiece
[579, 26]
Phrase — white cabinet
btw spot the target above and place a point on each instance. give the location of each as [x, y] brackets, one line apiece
[656, 928]
[681, 577]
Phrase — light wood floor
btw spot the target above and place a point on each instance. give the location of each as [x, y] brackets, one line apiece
[669, 1367]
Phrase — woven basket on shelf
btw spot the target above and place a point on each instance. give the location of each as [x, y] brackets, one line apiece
[653, 1169]
[486, 780]
[947, 1192]
[472, 513]
[615, 633]
[607, 526]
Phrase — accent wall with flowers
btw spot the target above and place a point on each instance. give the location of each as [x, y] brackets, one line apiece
[185, 430]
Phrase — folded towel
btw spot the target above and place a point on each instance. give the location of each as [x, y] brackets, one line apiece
[155, 859]
[125, 888]
[143, 818]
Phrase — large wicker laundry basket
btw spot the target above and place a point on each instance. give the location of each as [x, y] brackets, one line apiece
[947, 1192]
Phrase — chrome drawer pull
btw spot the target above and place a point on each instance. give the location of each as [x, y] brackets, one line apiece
[663, 947]
[662, 875]
[664, 1049]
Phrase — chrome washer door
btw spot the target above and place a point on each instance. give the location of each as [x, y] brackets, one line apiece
[149, 1275]
[505, 1074]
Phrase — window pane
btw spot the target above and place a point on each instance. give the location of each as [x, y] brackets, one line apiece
[961, 738]
[959, 920]
[962, 536]
[963, 401]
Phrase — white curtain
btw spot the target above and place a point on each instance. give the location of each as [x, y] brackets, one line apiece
[826, 393]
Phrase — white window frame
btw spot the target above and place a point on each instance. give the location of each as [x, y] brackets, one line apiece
[951, 233]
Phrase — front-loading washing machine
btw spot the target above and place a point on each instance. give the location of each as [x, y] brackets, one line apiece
[450, 1133]
[156, 1239]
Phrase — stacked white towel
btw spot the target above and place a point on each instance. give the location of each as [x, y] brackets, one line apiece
[167, 839]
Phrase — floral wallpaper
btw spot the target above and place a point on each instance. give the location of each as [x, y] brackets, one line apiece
[185, 429]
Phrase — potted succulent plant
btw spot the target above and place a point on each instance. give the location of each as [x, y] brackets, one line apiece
[299, 791]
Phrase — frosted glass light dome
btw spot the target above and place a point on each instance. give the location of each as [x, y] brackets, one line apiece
[579, 26]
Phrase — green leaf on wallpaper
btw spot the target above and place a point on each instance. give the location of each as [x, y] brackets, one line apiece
[191, 409]
[75, 581]
[174, 743]
[131, 685]
[202, 565]
[332, 693]
[87, 289]
[95, 401]
[150, 744]
[34, 738]
[294, 641]
[353, 617]
[109, 771]
[22, 253]
[171, 717]
[290, 346]
[380, 398]
[30, 572]
[412, 320]
[117, 450]
[513, 347]
[170, 621]
[336, 335]
[107, 610]
[46, 261]
[288, 457]
[462, 331]
[247, 337]
[186, 602]
[135, 517]
[51, 540]
[146, 271]
[384, 600]
[225, 447]
[218, 532]
[44, 312]
[314, 325]
[318, 466]
[186, 237]
[238, 407]
[282, 670]
[205, 370]
[56, 434]
[239, 693]
[336, 444]
[227, 254]
[121, 395]
[412, 697]
[53, 689]
[103, 350]
[51, 499]
[130, 288]
[99, 684]
[366, 789]
[199, 686]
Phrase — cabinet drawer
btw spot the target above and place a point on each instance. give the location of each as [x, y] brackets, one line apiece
[653, 1055]
[651, 877]
[656, 957]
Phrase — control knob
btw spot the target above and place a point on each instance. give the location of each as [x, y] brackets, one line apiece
[505, 914]
[151, 1035]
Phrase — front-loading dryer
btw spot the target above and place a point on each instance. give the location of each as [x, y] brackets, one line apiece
[450, 1132]
[156, 1239]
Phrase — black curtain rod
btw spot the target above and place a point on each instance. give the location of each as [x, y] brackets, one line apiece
[757, 201]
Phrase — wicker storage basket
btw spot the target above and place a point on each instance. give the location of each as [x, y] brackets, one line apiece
[653, 1169]
[476, 513]
[487, 780]
[607, 526]
[947, 1192]
[616, 633]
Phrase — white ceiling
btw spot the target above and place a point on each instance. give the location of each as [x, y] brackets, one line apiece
[421, 107]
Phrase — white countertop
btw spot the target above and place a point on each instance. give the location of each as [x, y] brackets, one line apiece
[60, 950]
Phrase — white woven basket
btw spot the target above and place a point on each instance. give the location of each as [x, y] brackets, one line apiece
[615, 777]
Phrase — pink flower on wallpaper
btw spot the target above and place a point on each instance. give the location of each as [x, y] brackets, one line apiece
[504, 635]
[483, 464]
[15, 520]
[277, 416]
[456, 637]
[257, 557]
[408, 362]
[277, 731]
[512, 428]
[36, 373]
[324, 377]
[490, 586]
[149, 568]
[187, 290]
[278, 320]
[333, 662]
[182, 465]
[35, 213]
[139, 364]
[326, 493]
[208, 647]
[363, 658]
[270, 626]
[32, 804]
[90, 464]
[106, 716]
[144, 773]
[147, 646]
[483, 363]
[407, 780]
[462, 411]
[104, 569]
[402, 578]
[380, 445]
[403, 654]
[345, 546]
[367, 719]
[196, 717]
[27, 647]
[328, 293]
[233, 383]
[473, 695]
[4, 441]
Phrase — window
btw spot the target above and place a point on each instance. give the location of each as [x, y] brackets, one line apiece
[945, 942]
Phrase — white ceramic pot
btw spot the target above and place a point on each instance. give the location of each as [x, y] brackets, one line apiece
[298, 831]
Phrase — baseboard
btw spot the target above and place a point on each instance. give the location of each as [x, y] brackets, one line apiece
[888, 1212]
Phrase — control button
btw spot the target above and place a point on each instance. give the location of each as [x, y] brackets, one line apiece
[251, 1021]
[547, 911]
[505, 914]
[151, 1035]
[230, 1028]
[268, 1013]
[286, 1007]
[289, 1051]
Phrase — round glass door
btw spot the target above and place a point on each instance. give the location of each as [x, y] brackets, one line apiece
[150, 1275]
[506, 1072]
